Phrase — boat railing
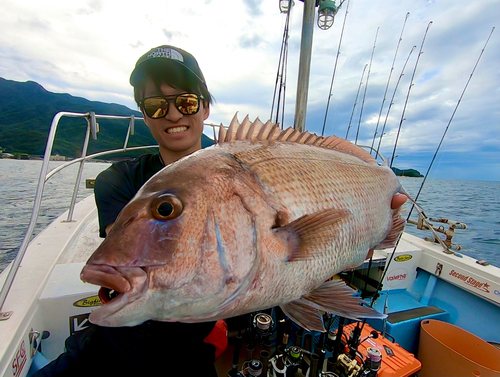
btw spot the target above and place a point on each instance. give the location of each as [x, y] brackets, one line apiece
[424, 223]
[91, 132]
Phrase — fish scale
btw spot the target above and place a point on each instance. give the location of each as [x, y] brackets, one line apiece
[262, 223]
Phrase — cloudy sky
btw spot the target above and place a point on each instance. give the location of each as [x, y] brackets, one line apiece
[88, 49]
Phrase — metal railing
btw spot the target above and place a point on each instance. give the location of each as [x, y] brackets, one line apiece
[92, 131]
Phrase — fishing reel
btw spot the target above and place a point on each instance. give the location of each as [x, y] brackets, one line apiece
[331, 339]
[347, 366]
[262, 328]
[255, 368]
[263, 324]
[347, 361]
[294, 356]
[372, 362]
[288, 361]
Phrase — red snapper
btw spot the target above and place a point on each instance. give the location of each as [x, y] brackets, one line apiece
[261, 219]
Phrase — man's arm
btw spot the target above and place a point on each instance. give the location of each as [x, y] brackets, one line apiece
[112, 193]
[108, 228]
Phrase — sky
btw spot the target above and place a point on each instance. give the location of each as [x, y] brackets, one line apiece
[89, 48]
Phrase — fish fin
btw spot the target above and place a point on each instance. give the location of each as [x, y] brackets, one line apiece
[398, 226]
[268, 128]
[222, 131]
[336, 297]
[232, 130]
[242, 131]
[304, 314]
[285, 135]
[311, 230]
[257, 131]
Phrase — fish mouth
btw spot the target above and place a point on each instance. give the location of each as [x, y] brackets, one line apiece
[106, 294]
[120, 286]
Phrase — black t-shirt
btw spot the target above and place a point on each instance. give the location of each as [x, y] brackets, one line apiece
[152, 348]
[117, 185]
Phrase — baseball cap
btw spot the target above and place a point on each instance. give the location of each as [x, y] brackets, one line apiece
[166, 56]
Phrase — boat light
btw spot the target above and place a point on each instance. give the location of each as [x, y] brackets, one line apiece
[326, 13]
[285, 5]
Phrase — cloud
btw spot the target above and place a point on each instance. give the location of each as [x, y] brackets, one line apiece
[88, 48]
[254, 7]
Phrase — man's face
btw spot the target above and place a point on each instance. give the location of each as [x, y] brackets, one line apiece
[175, 132]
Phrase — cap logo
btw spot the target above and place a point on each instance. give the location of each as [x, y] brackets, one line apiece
[165, 52]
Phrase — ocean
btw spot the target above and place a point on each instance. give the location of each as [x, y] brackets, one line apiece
[475, 203]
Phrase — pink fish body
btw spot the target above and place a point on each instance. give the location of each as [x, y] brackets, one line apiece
[262, 219]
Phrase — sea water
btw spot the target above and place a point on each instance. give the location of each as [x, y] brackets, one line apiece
[18, 183]
[475, 203]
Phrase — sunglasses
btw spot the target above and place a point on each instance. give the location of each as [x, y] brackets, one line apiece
[157, 107]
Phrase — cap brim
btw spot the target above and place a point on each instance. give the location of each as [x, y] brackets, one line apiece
[169, 66]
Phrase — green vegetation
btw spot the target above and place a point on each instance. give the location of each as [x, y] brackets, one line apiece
[27, 109]
[26, 112]
[406, 172]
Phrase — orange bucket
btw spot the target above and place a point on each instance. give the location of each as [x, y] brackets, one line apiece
[447, 350]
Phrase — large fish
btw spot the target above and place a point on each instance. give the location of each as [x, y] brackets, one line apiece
[261, 219]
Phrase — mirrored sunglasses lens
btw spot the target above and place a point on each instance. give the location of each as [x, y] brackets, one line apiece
[155, 107]
[187, 104]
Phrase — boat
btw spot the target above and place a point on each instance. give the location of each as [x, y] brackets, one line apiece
[442, 307]
[45, 301]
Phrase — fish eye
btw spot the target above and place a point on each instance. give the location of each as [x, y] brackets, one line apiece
[166, 207]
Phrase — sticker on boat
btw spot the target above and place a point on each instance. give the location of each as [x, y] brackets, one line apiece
[397, 277]
[403, 258]
[19, 360]
[88, 302]
[78, 323]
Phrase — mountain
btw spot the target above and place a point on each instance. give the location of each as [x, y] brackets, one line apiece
[27, 109]
[407, 172]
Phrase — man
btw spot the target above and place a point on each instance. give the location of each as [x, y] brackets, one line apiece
[173, 96]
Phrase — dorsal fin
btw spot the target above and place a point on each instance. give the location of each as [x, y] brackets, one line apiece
[257, 131]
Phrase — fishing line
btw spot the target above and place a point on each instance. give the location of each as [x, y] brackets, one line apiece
[389, 79]
[280, 85]
[386, 268]
[335, 68]
[392, 99]
[355, 101]
[408, 95]
[284, 90]
[366, 86]
[449, 122]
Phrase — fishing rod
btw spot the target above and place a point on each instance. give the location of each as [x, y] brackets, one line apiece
[414, 201]
[356, 101]
[392, 99]
[389, 79]
[408, 95]
[335, 68]
[281, 74]
[366, 86]
[449, 122]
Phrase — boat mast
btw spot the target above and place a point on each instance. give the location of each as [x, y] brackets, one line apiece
[304, 64]
[326, 13]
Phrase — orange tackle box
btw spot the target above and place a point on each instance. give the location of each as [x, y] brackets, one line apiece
[396, 361]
